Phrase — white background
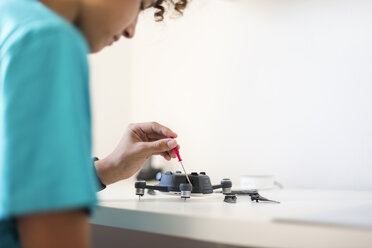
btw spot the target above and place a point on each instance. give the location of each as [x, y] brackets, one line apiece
[279, 87]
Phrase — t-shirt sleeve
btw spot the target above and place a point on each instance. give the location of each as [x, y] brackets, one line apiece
[45, 150]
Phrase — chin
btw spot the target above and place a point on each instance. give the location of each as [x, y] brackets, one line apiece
[96, 49]
[99, 47]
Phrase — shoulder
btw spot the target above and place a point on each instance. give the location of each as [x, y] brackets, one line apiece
[25, 23]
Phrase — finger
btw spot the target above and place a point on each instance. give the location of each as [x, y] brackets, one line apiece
[155, 136]
[172, 154]
[151, 128]
[161, 153]
[166, 156]
[159, 146]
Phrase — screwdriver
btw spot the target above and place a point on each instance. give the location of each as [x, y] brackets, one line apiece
[177, 152]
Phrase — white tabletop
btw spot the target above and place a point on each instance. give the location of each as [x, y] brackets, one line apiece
[304, 218]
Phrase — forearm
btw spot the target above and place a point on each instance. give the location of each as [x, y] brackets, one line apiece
[106, 170]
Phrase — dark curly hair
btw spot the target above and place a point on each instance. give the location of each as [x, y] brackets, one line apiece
[161, 5]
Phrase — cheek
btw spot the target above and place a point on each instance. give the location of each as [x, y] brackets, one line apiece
[102, 22]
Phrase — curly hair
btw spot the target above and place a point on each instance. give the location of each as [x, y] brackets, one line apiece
[160, 6]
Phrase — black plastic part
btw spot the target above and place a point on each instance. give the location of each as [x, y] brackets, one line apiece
[230, 198]
[171, 182]
[148, 175]
[140, 185]
[185, 187]
[156, 187]
[226, 183]
[148, 172]
[258, 198]
[217, 186]
[249, 192]
[151, 192]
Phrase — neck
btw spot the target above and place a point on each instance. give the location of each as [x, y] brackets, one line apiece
[68, 9]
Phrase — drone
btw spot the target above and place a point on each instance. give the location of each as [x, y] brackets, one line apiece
[177, 182]
[200, 184]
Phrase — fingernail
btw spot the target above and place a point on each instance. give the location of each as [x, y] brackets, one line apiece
[172, 143]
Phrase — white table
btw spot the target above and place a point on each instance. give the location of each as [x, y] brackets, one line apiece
[304, 218]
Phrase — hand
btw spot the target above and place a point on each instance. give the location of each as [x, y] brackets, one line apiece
[140, 141]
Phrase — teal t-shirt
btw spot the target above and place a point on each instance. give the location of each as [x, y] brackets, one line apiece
[45, 122]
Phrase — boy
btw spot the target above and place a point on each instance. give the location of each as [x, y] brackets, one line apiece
[47, 176]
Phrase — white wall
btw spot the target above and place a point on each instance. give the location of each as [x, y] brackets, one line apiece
[110, 96]
[277, 87]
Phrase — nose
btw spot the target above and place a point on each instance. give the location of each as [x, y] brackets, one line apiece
[127, 34]
[130, 31]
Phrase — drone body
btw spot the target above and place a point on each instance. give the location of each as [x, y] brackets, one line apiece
[177, 182]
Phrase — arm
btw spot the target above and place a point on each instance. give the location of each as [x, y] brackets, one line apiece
[54, 229]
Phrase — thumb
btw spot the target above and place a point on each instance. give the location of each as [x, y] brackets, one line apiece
[159, 146]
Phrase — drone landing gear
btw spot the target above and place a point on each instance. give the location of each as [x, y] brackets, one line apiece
[185, 189]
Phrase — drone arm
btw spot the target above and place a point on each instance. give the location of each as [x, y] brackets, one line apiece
[155, 187]
[217, 186]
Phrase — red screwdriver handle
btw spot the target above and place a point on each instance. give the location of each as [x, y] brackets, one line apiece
[177, 152]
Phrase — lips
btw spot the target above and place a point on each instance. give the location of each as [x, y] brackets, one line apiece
[116, 37]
